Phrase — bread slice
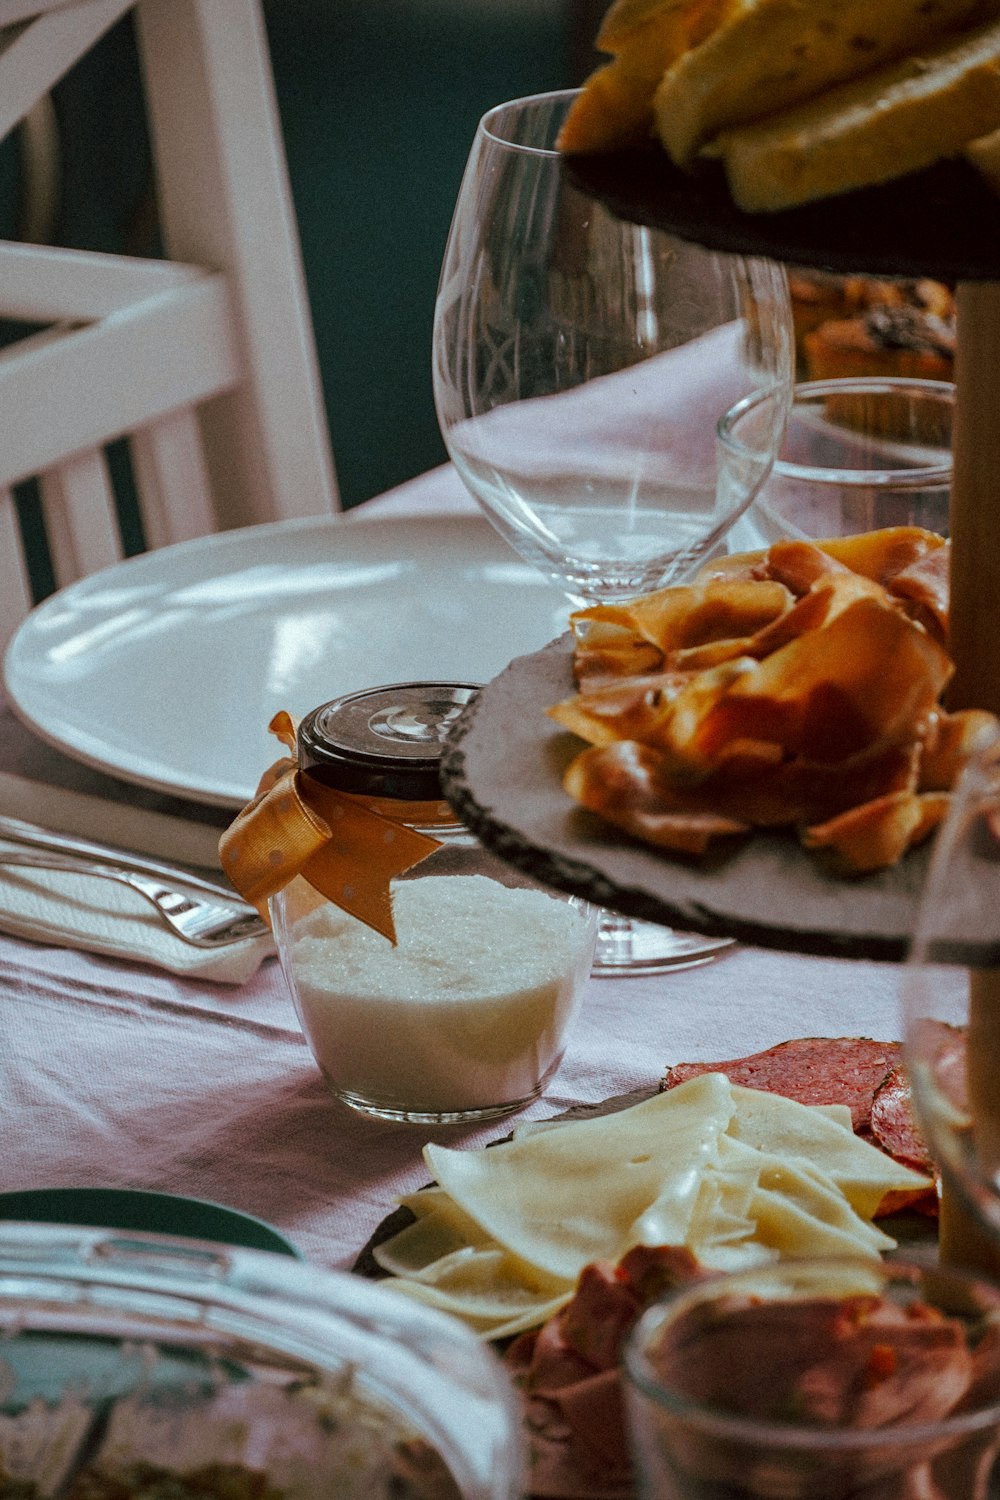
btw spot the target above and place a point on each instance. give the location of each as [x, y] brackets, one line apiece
[625, 18]
[771, 54]
[615, 107]
[895, 120]
[984, 155]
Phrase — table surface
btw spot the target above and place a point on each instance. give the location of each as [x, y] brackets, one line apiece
[118, 1075]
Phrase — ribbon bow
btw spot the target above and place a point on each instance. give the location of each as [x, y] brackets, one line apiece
[342, 844]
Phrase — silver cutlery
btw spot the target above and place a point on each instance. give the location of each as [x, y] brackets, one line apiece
[200, 911]
[17, 831]
[203, 923]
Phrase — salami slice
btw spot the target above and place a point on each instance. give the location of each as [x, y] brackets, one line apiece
[894, 1125]
[811, 1070]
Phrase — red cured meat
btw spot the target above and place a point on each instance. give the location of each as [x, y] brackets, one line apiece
[894, 1125]
[567, 1373]
[811, 1070]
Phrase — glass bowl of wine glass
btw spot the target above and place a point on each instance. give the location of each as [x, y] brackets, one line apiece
[951, 1005]
[581, 364]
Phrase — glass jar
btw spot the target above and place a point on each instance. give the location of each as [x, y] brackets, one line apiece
[466, 1016]
[216, 1371]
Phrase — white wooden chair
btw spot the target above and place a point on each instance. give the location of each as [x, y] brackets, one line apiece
[206, 361]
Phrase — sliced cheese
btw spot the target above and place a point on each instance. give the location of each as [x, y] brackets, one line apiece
[880, 127]
[797, 1188]
[439, 1229]
[790, 1208]
[823, 1137]
[486, 1298]
[562, 1198]
[797, 1230]
[739, 1177]
[722, 1224]
[772, 54]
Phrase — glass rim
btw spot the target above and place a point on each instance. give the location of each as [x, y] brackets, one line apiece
[976, 789]
[715, 1423]
[919, 477]
[487, 123]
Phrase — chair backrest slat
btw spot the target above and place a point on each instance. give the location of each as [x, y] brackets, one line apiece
[15, 589]
[204, 362]
[224, 200]
[36, 55]
[71, 387]
[46, 284]
[168, 464]
[81, 520]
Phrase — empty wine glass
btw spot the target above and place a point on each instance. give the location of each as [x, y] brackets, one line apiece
[951, 1004]
[581, 364]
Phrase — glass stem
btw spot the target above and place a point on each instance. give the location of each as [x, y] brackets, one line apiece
[614, 939]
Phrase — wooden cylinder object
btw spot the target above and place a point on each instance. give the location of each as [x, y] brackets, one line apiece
[975, 501]
[975, 648]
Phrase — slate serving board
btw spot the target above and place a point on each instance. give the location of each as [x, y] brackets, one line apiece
[502, 770]
[943, 221]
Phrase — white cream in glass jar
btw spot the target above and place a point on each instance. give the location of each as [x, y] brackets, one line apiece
[466, 1016]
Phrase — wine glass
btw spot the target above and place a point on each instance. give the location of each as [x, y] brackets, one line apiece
[951, 1006]
[581, 365]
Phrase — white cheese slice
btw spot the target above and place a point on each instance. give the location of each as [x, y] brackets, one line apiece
[488, 1317]
[439, 1229]
[790, 1130]
[558, 1199]
[740, 1177]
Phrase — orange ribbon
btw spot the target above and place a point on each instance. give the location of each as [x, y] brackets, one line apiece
[345, 846]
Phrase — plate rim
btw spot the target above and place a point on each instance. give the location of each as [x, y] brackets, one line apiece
[79, 745]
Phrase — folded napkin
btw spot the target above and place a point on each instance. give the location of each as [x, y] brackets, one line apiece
[102, 916]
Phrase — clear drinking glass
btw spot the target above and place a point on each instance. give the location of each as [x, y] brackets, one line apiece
[818, 1380]
[951, 1006]
[580, 366]
[857, 455]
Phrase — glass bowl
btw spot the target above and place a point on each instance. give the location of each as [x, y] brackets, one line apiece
[155, 1363]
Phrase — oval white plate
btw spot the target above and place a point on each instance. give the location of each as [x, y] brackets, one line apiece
[166, 669]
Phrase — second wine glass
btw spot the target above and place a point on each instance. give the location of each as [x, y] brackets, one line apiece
[581, 365]
[951, 1007]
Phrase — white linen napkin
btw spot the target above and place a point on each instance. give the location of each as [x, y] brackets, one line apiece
[102, 916]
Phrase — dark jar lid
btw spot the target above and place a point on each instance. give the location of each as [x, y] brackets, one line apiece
[384, 741]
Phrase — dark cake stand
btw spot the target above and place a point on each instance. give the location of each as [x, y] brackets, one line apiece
[502, 768]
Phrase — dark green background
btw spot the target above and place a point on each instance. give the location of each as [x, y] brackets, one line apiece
[379, 101]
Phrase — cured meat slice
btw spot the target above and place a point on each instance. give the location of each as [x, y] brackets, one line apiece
[567, 1375]
[893, 1121]
[894, 1126]
[811, 1070]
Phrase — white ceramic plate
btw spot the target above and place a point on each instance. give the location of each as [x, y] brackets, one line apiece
[166, 669]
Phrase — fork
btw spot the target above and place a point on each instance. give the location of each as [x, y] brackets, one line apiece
[194, 919]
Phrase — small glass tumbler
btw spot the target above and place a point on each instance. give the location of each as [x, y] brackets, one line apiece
[858, 455]
[467, 1014]
[818, 1380]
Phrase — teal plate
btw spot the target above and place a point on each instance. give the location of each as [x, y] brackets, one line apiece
[144, 1213]
[44, 1365]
